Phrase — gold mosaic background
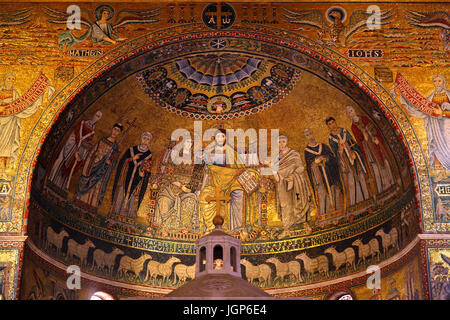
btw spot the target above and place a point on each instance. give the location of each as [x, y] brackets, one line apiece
[32, 48]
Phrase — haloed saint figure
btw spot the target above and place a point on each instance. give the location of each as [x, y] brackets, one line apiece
[177, 203]
[222, 164]
[293, 195]
[97, 170]
[351, 163]
[131, 180]
[11, 120]
[74, 151]
[437, 125]
[323, 173]
[374, 151]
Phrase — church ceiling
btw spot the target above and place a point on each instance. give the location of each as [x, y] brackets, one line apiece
[235, 87]
[91, 164]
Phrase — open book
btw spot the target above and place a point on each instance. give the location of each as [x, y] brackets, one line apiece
[247, 181]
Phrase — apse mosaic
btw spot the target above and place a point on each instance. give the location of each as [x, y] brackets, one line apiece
[112, 187]
[88, 116]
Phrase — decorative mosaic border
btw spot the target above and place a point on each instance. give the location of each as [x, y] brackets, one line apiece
[427, 243]
[11, 252]
[289, 39]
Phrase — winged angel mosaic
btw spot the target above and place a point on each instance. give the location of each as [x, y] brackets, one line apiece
[103, 27]
[331, 29]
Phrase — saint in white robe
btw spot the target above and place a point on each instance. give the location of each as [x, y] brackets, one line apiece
[437, 128]
[293, 197]
[11, 125]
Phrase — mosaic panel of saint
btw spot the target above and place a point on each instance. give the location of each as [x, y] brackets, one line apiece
[179, 184]
[224, 167]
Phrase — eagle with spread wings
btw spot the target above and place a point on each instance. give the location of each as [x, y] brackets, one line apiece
[435, 19]
[335, 28]
[14, 18]
[103, 28]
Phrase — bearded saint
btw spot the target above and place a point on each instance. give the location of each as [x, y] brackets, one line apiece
[293, 195]
[436, 126]
[370, 140]
[131, 180]
[11, 123]
[223, 164]
[74, 151]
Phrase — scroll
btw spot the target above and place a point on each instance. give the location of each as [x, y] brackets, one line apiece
[412, 96]
[27, 99]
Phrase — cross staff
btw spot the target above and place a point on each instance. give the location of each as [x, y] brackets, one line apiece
[130, 125]
[330, 194]
[219, 197]
[218, 15]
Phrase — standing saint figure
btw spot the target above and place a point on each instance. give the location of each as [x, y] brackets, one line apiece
[177, 203]
[97, 170]
[131, 181]
[223, 164]
[351, 163]
[323, 172]
[11, 120]
[370, 140]
[74, 151]
[294, 199]
[437, 124]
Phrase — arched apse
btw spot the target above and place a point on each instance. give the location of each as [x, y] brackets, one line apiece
[185, 91]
